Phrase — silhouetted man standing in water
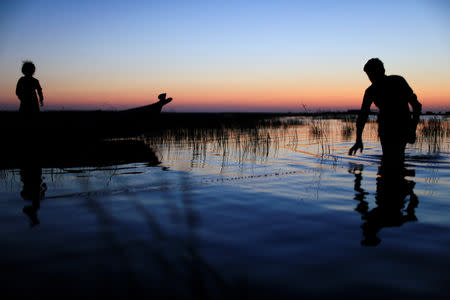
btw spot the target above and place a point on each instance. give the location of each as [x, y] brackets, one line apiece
[396, 127]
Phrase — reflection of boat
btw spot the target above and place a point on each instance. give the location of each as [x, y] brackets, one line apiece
[93, 153]
[100, 155]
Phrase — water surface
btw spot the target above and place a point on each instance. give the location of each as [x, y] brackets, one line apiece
[277, 211]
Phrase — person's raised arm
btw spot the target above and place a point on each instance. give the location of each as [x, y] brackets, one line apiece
[360, 123]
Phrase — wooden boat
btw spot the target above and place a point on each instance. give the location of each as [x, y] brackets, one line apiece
[152, 109]
[77, 138]
[75, 123]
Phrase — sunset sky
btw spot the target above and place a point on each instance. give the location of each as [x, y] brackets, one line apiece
[223, 55]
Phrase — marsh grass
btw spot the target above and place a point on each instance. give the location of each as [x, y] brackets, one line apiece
[319, 129]
[256, 143]
[432, 132]
[347, 127]
[258, 138]
[245, 136]
[435, 128]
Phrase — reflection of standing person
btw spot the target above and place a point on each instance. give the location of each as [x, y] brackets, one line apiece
[391, 197]
[391, 94]
[392, 191]
[33, 190]
[26, 89]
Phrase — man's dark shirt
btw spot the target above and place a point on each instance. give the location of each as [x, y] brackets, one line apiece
[391, 95]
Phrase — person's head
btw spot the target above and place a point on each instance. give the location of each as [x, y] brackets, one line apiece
[374, 68]
[28, 68]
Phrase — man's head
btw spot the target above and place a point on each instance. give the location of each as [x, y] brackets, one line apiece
[28, 68]
[374, 68]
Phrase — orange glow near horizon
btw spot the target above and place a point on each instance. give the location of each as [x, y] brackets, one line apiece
[213, 94]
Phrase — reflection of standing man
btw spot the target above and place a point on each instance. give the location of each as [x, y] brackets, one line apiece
[393, 206]
[393, 209]
[392, 95]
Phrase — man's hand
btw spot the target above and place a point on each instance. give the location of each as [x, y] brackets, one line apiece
[356, 146]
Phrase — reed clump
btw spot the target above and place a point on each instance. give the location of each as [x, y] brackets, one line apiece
[432, 132]
[242, 142]
[435, 128]
[348, 127]
[318, 126]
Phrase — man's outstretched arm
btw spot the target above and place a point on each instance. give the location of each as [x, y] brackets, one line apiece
[360, 123]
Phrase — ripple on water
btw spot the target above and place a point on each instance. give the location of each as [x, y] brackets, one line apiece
[289, 213]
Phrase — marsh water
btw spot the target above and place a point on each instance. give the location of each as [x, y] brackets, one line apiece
[277, 212]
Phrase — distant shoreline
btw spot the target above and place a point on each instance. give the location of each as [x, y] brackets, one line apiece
[316, 113]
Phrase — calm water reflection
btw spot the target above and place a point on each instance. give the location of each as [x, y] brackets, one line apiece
[391, 198]
[276, 211]
[33, 190]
